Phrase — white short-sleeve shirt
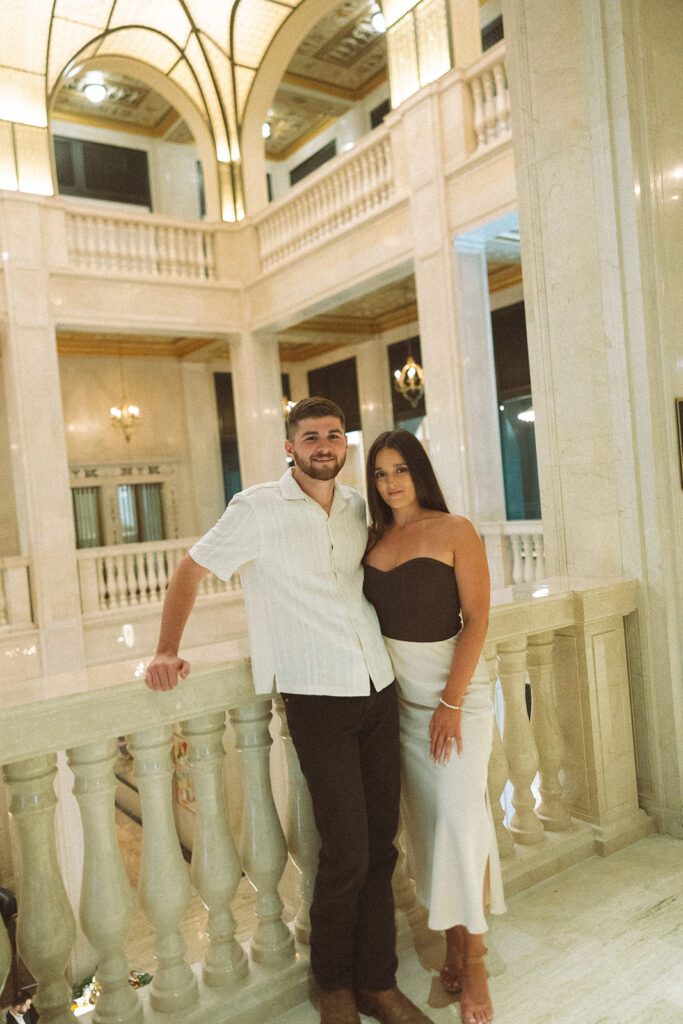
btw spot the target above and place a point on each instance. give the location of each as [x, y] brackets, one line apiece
[310, 625]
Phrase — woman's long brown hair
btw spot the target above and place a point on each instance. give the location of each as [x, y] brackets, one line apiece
[427, 490]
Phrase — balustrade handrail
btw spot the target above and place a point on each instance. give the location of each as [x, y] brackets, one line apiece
[84, 554]
[41, 727]
[511, 526]
[494, 55]
[373, 139]
[149, 219]
[221, 675]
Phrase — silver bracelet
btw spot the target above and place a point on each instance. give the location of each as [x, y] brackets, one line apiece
[453, 707]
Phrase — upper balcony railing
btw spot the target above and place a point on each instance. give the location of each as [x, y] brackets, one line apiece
[144, 245]
[346, 192]
[569, 768]
[487, 81]
[135, 575]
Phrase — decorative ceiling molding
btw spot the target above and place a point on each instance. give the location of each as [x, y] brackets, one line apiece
[503, 275]
[85, 343]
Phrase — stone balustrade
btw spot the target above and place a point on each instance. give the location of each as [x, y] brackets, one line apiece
[515, 551]
[15, 593]
[347, 191]
[568, 769]
[148, 245]
[487, 81]
[135, 575]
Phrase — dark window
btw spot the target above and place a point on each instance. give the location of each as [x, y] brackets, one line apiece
[517, 435]
[378, 114]
[269, 186]
[404, 411]
[232, 481]
[97, 171]
[313, 162]
[492, 33]
[340, 383]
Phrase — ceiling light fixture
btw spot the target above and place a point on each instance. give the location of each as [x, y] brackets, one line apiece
[125, 414]
[96, 92]
[409, 381]
[528, 416]
[377, 21]
[265, 130]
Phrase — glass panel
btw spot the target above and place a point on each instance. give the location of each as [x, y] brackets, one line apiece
[149, 511]
[518, 447]
[86, 506]
[128, 515]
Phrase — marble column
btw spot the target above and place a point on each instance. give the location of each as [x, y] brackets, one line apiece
[259, 413]
[37, 439]
[596, 90]
[206, 472]
[479, 382]
[420, 132]
[374, 390]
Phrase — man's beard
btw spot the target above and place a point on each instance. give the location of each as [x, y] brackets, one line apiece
[324, 471]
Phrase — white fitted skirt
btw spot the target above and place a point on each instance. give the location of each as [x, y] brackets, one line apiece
[447, 821]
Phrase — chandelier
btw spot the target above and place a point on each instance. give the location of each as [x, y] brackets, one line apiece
[125, 414]
[409, 381]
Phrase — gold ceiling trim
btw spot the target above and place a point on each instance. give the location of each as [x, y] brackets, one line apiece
[301, 140]
[503, 276]
[110, 124]
[299, 352]
[77, 343]
[356, 326]
[338, 91]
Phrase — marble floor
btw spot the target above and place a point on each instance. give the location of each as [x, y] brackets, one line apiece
[601, 943]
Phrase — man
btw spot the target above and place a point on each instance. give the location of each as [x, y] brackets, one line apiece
[298, 544]
[22, 1010]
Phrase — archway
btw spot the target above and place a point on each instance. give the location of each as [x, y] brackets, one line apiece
[180, 101]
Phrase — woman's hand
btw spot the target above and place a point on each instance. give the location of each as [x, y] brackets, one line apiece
[443, 729]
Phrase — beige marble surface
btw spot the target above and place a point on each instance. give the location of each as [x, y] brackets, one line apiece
[601, 943]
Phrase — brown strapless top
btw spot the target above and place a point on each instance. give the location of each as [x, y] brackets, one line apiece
[417, 600]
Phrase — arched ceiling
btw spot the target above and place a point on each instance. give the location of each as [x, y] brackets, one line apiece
[210, 48]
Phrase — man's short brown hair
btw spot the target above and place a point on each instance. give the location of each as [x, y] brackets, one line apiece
[312, 408]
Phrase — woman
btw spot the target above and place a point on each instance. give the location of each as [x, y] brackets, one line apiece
[425, 570]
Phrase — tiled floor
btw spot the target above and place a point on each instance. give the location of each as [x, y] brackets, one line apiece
[602, 943]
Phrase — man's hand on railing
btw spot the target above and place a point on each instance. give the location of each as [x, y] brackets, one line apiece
[163, 671]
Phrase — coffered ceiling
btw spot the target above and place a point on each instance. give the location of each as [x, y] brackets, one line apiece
[341, 59]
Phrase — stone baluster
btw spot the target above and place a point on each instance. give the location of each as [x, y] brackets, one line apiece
[547, 733]
[112, 243]
[216, 868]
[303, 841]
[262, 846]
[161, 575]
[114, 580]
[200, 259]
[540, 556]
[92, 243]
[528, 552]
[501, 98]
[106, 907]
[102, 590]
[489, 106]
[516, 548]
[163, 886]
[46, 928]
[479, 122]
[161, 247]
[498, 765]
[518, 741]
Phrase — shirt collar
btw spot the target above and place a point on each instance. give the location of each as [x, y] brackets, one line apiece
[290, 490]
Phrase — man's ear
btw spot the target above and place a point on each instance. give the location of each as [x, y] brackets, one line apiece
[288, 447]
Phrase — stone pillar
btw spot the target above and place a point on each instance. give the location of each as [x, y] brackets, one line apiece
[593, 87]
[436, 299]
[465, 31]
[255, 367]
[36, 427]
[479, 382]
[374, 390]
[204, 443]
